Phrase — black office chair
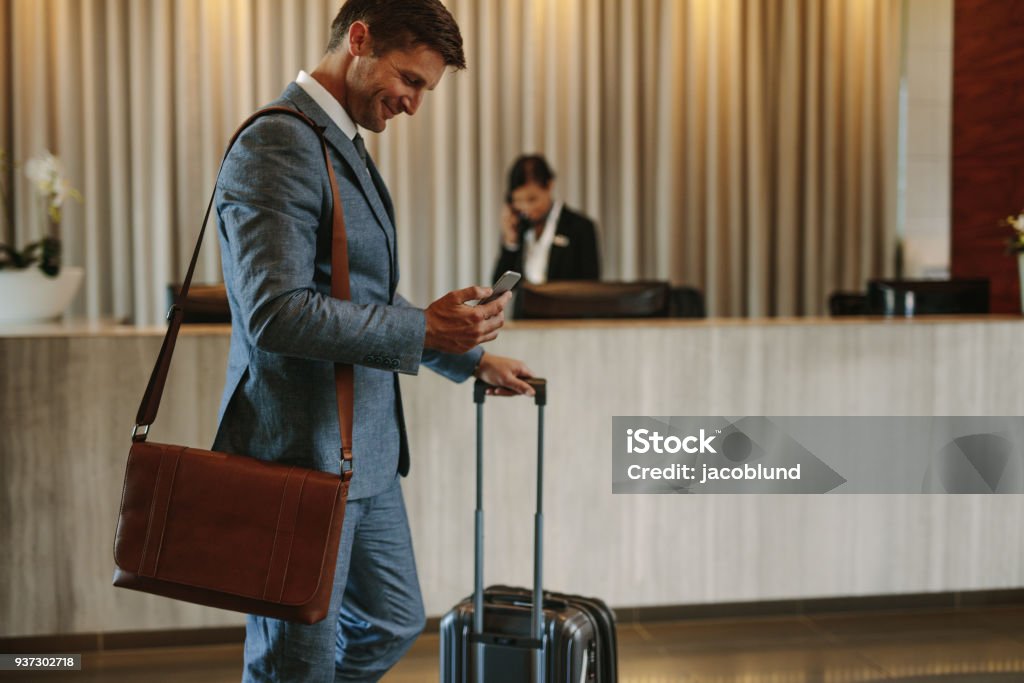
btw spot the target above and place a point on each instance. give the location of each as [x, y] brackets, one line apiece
[686, 302]
[848, 303]
[591, 299]
[928, 297]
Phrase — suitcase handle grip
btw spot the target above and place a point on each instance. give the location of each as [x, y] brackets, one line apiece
[540, 388]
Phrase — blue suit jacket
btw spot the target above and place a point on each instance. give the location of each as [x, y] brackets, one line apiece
[273, 208]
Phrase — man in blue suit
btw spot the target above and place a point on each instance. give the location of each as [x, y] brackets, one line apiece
[273, 207]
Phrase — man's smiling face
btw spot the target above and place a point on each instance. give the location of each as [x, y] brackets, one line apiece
[381, 87]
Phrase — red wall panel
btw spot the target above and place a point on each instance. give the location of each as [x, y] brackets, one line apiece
[988, 142]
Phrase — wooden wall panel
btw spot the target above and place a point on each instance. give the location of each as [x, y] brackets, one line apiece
[988, 142]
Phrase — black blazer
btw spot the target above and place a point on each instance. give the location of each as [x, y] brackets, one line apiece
[577, 260]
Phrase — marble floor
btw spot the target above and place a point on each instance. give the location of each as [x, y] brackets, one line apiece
[961, 646]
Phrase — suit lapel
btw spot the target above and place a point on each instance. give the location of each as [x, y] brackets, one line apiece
[348, 152]
[340, 142]
[385, 197]
[556, 257]
[382, 189]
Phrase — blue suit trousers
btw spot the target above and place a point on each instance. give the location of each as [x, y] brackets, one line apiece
[376, 608]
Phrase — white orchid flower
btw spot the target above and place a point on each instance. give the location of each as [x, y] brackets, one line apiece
[47, 173]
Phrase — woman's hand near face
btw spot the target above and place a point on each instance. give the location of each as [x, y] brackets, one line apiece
[509, 227]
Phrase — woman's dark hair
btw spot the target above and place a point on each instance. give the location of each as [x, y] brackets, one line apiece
[529, 168]
[402, 24]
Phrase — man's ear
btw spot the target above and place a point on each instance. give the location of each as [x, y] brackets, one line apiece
[359, 41]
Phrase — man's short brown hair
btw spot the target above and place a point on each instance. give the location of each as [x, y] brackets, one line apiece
[402, 24]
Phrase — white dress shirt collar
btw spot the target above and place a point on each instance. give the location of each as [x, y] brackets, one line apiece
[326, 101]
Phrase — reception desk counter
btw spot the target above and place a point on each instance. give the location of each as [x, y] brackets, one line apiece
[68, 396]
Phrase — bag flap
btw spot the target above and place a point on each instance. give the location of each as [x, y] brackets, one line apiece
[228, 523]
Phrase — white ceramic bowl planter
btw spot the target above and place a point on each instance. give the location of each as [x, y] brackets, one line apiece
[30, 295]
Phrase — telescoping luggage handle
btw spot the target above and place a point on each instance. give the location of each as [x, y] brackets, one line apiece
[537, 611]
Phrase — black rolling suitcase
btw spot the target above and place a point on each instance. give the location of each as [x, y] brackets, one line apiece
[502, 635]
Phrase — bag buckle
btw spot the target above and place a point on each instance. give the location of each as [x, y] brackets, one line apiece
[346, 464]
[140, 432]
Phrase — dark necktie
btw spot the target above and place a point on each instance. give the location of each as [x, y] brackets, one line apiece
[360, 147]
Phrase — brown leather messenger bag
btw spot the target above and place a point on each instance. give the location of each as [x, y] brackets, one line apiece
[226, 530]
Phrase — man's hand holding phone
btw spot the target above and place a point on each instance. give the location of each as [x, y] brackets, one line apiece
[468, 317]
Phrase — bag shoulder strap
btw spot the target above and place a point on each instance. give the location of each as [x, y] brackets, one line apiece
[344, 378]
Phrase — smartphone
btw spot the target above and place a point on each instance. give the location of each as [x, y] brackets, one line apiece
[506, 282]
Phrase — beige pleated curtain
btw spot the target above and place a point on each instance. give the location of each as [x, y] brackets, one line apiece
[745, 147]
